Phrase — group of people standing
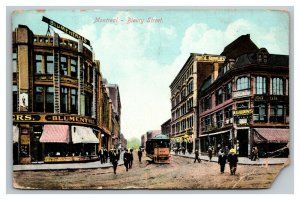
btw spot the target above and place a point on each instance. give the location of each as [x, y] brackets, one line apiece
[128, 159]
[232, 159]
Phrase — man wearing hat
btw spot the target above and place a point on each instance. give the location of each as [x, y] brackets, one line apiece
[232, 160]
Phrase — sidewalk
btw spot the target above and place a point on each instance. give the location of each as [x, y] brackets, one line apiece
[242, 160]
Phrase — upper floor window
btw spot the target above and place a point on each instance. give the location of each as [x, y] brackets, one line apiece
[228, 112]
[242, 83]
[260, 85]
[190, 87]
[44, 99]
[64, 100]
[276, 113]
[14, 62]
[38, 64]
[74, 101]
[228, 91]
[49, 64]
[206, 105]
[15, 98]
[63, 65]
[260, 112]
[74, 67]
[219, 96]
[277, 86]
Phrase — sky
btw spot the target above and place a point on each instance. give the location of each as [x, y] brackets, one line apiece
[143, 58]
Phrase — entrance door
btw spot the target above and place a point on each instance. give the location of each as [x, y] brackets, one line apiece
[36, 146]
[242, 138]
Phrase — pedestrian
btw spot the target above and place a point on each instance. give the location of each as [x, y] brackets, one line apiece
[140, 154]
[232, 160]
[222, 161]
[210, 152]
[183, 150]
[197, 156]
[105, 154]
[130, 158]
[254, 153]
[126, 159]
[114, 160]
[100, 154]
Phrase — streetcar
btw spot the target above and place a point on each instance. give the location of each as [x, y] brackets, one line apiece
[158, 149]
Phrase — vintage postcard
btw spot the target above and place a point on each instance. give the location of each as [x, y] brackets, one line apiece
[149, 99]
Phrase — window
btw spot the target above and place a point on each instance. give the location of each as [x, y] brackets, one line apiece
[14, 62]
[183, 93]
[276, 113]
[287, 87]
[74, 100]
[228, 91]
[49, 64]
[38, 64]
[219, 96]
[260, 113]
[74, 67]
[208, 122]
[49, 99]
[44, 99]
[64, 100]
[260, 85]
[228, 112]
[206, 105]
[39, 99]
[15, 98]
[190, 87]
[63, 65]
[88, 104]
[242, 83]
[219, 116]
[277, 86]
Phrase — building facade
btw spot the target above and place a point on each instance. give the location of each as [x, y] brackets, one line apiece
[247, 104]
[143, 140]
[184, 95]
[166, 128]
[61, 111]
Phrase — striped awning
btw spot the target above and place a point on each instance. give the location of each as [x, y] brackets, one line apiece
[55, 134]
[15, 134]
[82, 134]
[271, 135]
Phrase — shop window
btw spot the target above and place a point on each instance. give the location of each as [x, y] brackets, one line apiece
[260, 85]
[219, 96]
[74, 101]
[15, 98]
[276, 113]
[277, 86]
[63, 65]
[242, 83]
[260, 113]
[38, 64]
[228, 91]
[64, 100]
[49, 64]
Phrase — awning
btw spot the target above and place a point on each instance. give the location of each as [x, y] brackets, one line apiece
[55, 134]
[271, 135]
[82, 134]
[15, 134]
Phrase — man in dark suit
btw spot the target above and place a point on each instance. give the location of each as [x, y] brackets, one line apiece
[222, 161]
[140, 154]
[197, 156]
[126, 158]
[114, 160]
[233, 160]
[130, 158]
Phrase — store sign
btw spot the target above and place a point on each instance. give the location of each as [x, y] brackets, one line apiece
[23, 118]
[66, 30]
[239, 94]
[270, 98]
[69, 118]
[242, 112]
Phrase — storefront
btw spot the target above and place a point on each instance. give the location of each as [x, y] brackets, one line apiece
[270, 140]
[216, 140]
[54, 138]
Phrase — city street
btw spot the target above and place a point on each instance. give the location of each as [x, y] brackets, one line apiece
[182, 173]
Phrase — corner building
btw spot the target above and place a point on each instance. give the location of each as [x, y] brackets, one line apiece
[57, 97]
[184, 95]
[248, 103]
